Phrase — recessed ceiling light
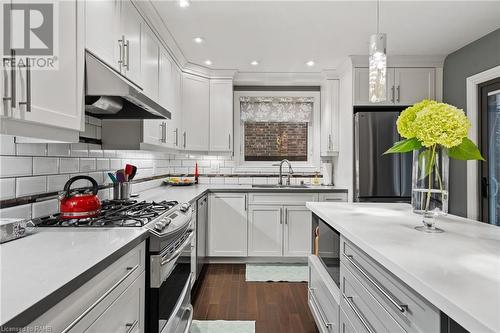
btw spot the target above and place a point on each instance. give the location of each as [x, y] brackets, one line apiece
[310, 63]
[254, 63]
[198, 40]
[208, 62]
[184, 3]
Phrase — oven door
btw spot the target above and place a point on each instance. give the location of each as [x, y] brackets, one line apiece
[171, 287]
[326, 242]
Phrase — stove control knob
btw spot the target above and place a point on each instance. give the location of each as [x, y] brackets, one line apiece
[168, 221]
[159, 226]
[184, 207]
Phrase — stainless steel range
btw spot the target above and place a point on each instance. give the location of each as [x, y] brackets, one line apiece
[170, 224]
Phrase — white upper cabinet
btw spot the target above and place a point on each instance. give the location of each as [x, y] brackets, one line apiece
[195, 112]
[102, 20]
[414, 84]
[130, 28]
[221, 115]
[330, 117]
[50, 96]
[166, 82]
[150, 63]
[405, 86]
[174, 125]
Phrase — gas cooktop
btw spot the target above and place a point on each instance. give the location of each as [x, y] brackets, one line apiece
[114, 213]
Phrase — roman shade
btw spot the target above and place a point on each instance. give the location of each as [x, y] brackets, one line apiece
[276, 109]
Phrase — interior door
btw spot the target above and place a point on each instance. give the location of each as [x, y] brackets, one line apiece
[490, 148]
[378, 175]
[265, 231]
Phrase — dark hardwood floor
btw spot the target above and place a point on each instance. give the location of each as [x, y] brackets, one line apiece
[223, 294]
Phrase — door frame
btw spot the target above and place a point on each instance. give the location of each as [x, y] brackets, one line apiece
[485, 88]
[473, 98]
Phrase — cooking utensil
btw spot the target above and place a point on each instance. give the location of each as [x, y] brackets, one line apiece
[120, 175]
[134, 172]
[112, 177]
[128, 171]
[78, 203]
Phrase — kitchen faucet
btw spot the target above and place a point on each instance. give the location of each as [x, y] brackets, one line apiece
[290, 171]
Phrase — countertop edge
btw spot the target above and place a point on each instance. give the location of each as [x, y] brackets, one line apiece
[39, 308]
[452, 310]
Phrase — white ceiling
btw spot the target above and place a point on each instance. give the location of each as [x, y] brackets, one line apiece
[283, 35]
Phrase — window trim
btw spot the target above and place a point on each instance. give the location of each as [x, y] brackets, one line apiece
[314, 144]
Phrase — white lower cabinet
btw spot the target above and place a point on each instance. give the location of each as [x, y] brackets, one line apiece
[265, 231]
[126, 314]
[112, 301]
[227, 225]
[297, 231]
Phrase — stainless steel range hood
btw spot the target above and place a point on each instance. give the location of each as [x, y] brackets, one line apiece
[109, 95]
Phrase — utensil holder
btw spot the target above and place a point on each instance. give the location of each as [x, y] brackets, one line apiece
[122, 191]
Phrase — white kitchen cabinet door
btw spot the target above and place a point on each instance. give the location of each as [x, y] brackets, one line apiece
[265, 231]
[221, 115]
[414, 84]
[195, 112]
[166, 84]
[329, 117]
[297, 233]
[361, 91]
[102, 20]
[6, 88]
[131, 26]
[174, 125]
[126, 313]
[54, 97]
[227, 225]
[154, 131]
[150, 63]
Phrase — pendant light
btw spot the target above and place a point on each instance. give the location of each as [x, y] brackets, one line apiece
[377, 64]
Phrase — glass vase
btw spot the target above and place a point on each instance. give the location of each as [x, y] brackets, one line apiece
[430, 185]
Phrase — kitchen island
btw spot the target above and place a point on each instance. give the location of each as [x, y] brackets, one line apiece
[457, 271]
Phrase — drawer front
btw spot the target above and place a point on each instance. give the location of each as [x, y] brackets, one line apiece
[83, 306]
[322, 301]
[333, 197]
[345, 324]
[281, 198]
[126, 313]
[409, 309]
[362, 309]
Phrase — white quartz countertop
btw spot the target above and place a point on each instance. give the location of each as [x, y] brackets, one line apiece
[190, 193]
[458, 271]
[37, 271]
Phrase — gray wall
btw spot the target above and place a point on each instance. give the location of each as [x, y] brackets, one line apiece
[473, 58]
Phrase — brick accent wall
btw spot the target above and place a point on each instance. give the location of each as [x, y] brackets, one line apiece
[274, 141]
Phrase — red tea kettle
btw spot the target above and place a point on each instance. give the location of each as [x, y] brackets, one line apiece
[79, 204]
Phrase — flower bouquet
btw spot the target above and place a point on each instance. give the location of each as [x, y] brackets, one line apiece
[434, 132]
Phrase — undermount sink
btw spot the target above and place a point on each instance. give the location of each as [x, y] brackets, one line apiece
[279, 186]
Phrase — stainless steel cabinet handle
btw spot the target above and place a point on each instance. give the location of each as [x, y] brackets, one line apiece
[246, 204]
[126, 49]
[392, 94]
[399, 93]
[281, 215]
[400, 307]
[190, 320]
[13, 79]
[286, 215]
[358, 314]
[131, 326]
[320, 311]
[120, 46]
[163, 127]
[28, 87]
[99, 300]
[329, 141]
[177, 137]
[229, 141]
[184, 139]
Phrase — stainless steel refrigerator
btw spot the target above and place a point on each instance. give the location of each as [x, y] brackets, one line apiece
[378, 177]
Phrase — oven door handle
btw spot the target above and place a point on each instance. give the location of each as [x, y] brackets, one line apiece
[177, 252]
[190, 320]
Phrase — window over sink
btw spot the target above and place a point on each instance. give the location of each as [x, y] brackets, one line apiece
[272, 126]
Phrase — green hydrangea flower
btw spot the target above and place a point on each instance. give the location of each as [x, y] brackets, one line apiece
[407, 117]
[440, 123]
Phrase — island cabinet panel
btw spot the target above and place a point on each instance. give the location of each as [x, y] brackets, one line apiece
[323, 297]
[227, 225]
[374, 284]
[112, 298]
[345, 324]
